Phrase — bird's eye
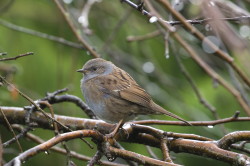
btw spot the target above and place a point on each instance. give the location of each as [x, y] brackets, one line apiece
[94, 68]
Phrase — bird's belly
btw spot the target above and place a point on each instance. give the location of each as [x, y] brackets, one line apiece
[109, 108]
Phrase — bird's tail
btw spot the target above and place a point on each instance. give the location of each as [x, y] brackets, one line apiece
[159, 109]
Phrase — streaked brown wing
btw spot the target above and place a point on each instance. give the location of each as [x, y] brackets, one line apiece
[122, 85]
[136, 94]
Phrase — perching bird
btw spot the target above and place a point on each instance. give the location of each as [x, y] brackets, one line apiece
[113, 95]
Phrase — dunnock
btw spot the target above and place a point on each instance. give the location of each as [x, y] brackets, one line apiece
[113, 95]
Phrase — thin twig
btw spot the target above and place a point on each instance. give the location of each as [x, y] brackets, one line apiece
[119, 146]
[197, 58]
[116, 29]
[195, 123]
[213, 74]
[204, 65]
[20, 135]
[5, 7]
[16, 57]
[202, 100]
[165, 150]
[52, 115]
[68, 153]
[33, 103]
[238, 84]
[151, 153]
[11, 129]
[200, 36]
[196, 21]
[203, 21]
[77, 32]
[143, 37]
[197, 92]
[95, 160]
[40, 34]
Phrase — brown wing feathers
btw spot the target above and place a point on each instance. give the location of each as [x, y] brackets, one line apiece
[122, 84]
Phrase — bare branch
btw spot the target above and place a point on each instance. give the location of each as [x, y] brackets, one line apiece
[16, 57]
[241, 18]
[144, 37]
[139, 158]
[12, 131]
[165, 151]
[95, 160]
[78, 123]
[200, 36]
[152, 154]
[195, 123]
[209, 149]
[76, 155]
[22, 133]
[195, 56]
[50, 143]
[144, 135]
[206, 20]
[77, 33]
[53, 98]
[40, 34]
[42, 121]
[234, 137]
[33, 102]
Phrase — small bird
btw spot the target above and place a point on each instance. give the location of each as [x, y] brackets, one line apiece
[113, 95]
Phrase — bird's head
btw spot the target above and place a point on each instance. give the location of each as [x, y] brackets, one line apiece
[96, 67]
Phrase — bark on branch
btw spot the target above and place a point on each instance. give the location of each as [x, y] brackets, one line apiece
[177, 142]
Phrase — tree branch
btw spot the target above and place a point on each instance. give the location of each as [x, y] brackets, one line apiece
[16, 57]
[195, 56]
[232, 138]
[40, 34]
[77, 33]
[146, 135]
[53, 141]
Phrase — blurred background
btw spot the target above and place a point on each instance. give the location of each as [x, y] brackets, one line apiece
[111, 28]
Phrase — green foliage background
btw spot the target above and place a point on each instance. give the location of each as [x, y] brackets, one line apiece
[53, 66]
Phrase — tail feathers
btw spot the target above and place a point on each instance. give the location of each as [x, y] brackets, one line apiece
[159, 109]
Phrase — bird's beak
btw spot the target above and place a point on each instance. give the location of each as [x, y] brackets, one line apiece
[80, 70]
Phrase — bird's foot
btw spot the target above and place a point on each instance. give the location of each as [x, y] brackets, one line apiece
[113, 134]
